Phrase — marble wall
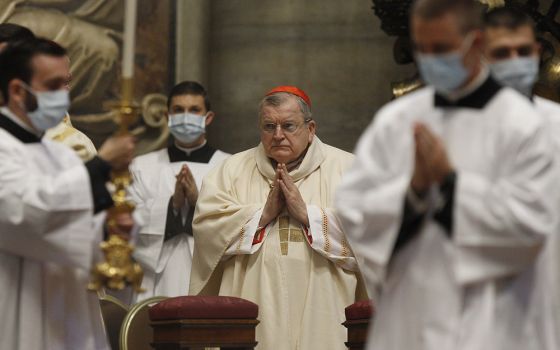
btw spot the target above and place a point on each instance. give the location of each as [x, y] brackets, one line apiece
[332, 49]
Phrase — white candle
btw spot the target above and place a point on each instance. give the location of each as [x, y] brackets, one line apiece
[129, 38]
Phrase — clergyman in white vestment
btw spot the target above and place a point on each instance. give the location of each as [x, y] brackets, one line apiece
[265, 231]
[165, 191]
[513, 53]
[452, 199]
[48, 233]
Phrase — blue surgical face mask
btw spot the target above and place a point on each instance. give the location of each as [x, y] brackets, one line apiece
[52, 107]
[187, 127]
[445, 72]
[519, 73]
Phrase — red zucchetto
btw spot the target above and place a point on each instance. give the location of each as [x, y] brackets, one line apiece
[291, 90]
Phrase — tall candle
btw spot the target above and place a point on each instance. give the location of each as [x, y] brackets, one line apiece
[129, 38]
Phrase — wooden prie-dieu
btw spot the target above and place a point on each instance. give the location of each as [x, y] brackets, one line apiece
[194, 322]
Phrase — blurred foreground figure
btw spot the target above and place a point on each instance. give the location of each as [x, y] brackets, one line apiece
[452, 200]
[48, 232]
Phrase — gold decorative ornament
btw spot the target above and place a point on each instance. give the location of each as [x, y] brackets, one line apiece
[493, 3]
[119, 269]
[404, 87]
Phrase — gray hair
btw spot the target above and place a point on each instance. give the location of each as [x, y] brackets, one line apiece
[469, 13]
[279, 98]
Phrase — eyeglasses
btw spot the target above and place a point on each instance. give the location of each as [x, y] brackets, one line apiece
[287, 127]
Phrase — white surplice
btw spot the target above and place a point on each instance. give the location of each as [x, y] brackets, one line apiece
[167, 265]
[301, 279]
[549, 263]
[482, 287]
[47, 242]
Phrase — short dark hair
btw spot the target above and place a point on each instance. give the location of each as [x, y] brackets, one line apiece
[15, 60]
[469, 12]
[10, 32]
[189, 88]
[507, 17]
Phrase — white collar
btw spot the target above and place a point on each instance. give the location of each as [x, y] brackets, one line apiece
[8, 113]
[188, 151]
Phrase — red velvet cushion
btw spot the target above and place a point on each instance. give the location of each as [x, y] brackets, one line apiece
[203, 307]
[359, 310]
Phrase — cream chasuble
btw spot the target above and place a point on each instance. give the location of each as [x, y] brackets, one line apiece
[301, 280]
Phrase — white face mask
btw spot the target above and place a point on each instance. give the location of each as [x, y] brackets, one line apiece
[187, 127]
[518, 73]
[52, 107]
[445, 72]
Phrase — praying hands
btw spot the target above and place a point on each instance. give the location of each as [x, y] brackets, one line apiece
[284, 194]
[185, 189]
[431, 163]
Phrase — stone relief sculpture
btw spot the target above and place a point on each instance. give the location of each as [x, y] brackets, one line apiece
[394, 22]
[91, 30]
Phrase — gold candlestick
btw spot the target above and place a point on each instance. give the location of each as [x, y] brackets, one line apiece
[119, 269]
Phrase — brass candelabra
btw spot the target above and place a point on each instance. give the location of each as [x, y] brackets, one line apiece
[119, 270]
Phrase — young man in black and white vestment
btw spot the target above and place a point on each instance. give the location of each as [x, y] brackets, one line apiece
[165, 191]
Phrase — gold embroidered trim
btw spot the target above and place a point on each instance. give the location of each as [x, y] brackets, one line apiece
[241, 237]
[284, 232]
[296, 235]
[69, 131]
[325, 231]
[284, 248]
[345, 247]
[288, 234]
[284, 222]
